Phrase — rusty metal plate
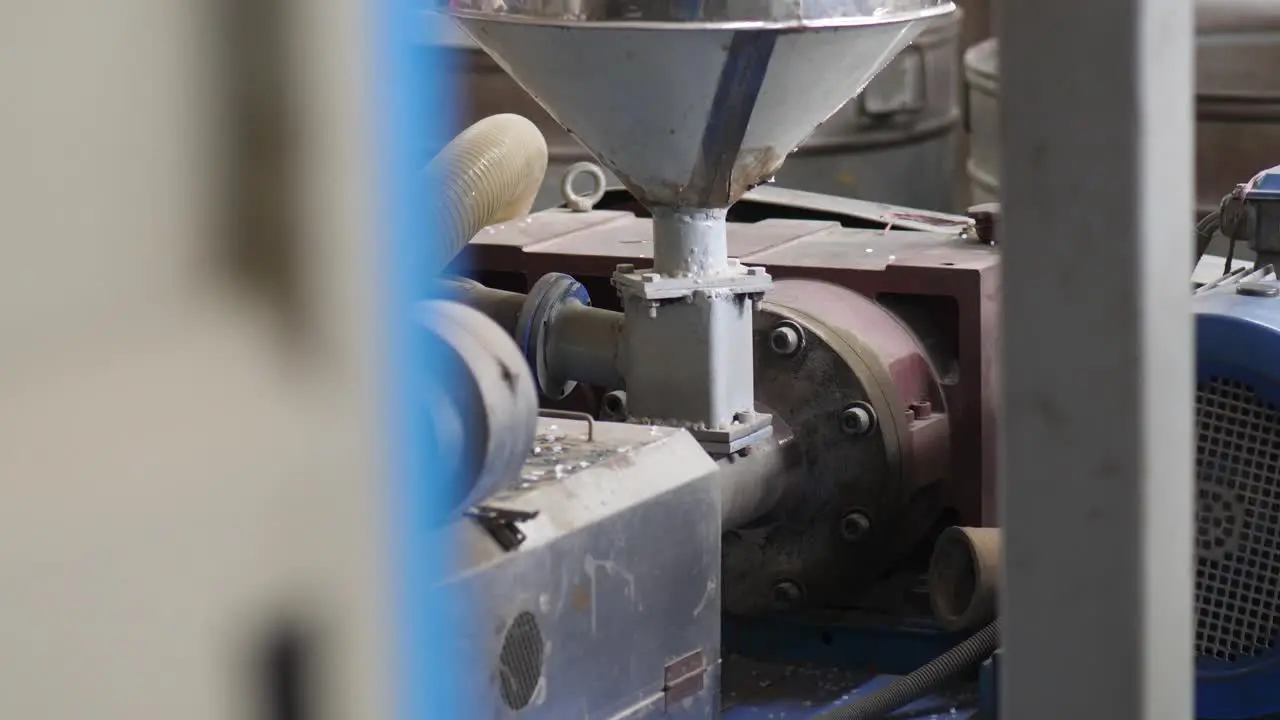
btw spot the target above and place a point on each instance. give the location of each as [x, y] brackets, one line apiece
[683, 678]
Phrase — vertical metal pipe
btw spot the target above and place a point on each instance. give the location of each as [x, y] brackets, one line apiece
[1097, 446]
[689, 242]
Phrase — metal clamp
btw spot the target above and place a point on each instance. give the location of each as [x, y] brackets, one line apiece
[582, 203]
[502, 524]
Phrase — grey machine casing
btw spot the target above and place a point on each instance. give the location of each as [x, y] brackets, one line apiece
[610, 607]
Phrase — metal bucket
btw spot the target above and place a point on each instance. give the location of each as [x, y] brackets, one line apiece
[1237, 101]
[896, 143]
[982, 120]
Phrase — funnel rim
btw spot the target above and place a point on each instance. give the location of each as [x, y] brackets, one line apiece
[716, 108]
[938, 9]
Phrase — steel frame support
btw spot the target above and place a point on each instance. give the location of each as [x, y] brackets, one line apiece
[1097, 431]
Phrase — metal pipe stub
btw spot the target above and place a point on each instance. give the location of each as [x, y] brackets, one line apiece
[964, 577]
[583, 344]
[501, 306]
[752, 483]
[563, 339]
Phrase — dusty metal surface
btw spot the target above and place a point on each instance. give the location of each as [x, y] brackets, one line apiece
[869, 416]
[943, 287]
[799, 15]
[760, 690]
[583, 619]
[751, 484]
[1237, 101]
[708, 111]
[896, 146]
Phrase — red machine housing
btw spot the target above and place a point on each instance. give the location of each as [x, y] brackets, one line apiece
[944, 286]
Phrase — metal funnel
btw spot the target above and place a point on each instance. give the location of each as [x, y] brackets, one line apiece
[692, 104]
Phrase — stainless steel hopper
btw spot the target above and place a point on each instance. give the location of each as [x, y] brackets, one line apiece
[691, 104]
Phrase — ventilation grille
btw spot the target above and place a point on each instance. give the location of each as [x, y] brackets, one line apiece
[1237, 521]
[520, 662]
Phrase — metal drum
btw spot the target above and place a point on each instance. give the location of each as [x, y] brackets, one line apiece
[1237, 100]
[982, 120]
[896, 143]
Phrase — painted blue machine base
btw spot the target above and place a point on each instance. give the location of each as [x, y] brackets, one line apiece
[1238, 341]
[795, 668]
[754, 690]
[989, 686]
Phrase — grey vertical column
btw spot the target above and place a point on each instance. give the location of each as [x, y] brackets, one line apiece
[1097, 431]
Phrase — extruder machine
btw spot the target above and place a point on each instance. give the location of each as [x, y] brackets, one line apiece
[756, 404]
[1238, 463]
[730, 449]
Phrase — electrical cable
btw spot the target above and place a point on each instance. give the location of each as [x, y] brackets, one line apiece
[1205, 230]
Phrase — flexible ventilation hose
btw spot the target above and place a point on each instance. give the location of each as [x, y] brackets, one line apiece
[909, 688]
[488, 174]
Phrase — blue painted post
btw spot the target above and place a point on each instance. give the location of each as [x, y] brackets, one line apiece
[413, 102]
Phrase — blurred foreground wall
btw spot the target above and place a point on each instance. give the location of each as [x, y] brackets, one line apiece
[190, 495]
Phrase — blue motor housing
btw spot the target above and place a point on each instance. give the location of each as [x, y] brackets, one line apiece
[1237, 322]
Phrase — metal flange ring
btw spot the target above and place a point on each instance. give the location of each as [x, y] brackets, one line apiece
[537, 314]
